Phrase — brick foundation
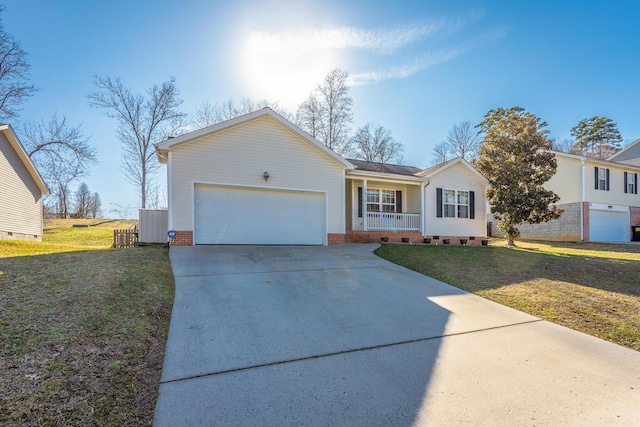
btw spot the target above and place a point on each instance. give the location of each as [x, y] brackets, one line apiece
[455, 240]
[183, 238]
[335, 239]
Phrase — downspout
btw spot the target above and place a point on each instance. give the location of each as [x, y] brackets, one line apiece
[169, 192]
[423, 199]
[582, 194]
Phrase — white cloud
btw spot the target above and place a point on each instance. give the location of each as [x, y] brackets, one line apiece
[380, 40]
[422, 62]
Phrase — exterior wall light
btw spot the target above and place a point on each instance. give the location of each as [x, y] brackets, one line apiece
[265, 175]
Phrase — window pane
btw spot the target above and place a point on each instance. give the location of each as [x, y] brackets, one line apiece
[449, 211]
[388, 208]
[463, 211]
[373, 196]
[371, 207]
[463, 197]
[388, 196]
[449, 196]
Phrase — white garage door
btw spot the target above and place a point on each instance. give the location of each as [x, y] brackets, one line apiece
[609, 226]
[250, 216]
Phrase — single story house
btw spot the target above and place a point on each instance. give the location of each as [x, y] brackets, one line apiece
[259, 179]
[21, 190]
[599, 197]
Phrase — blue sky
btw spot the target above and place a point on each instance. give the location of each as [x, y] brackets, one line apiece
[417, 68]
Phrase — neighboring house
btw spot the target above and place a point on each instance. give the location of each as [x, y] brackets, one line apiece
[21, 190]
[599, 197]
[259, 179]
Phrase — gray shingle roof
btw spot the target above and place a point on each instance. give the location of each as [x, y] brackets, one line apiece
[384, 167]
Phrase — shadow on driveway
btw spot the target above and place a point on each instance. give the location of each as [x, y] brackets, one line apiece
[337, 336]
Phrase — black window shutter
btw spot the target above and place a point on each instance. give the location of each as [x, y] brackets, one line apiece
[359, 202]
[596, 177]
[625, 182]
[635, 183]
[439, 202]
[472, 205]
[607, 179]
[398, 201]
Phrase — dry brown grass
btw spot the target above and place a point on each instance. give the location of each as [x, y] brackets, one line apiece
[593, 288]
[83, 335]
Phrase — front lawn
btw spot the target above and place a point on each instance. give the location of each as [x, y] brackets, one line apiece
[82, 332]
[592, 288]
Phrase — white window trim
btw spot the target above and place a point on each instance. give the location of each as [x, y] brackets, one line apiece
[631, 182]
[380, 203]
[602, 179]
[455, 205]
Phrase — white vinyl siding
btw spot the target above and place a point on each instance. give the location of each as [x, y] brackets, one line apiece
[240, 155]
[464, 180]
[20, 197]
[567, 182]
[616, 194]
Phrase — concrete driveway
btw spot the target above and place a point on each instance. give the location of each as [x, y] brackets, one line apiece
[337, 336]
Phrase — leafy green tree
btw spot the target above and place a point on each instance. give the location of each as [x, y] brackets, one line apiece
[517, 160]
[597, 136]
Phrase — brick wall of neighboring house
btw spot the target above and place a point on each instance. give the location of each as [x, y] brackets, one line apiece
[585, 221]
[565, 228]
[634, 217]
[183, 238]
[335, 238]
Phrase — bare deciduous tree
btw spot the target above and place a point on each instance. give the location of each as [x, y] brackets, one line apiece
[309, 115]
[332, 114]
[143, 121]
[440, 154]
[14, 75]
[374, 143]
[62, 155]
[209, 114]
[464, 141]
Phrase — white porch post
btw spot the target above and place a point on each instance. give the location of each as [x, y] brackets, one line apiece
[364, 205]
[423, 217]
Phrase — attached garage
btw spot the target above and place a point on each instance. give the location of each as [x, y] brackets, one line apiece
[609, 224]
[258, 216]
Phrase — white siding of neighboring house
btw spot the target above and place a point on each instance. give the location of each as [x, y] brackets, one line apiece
[456, 177]
[240, 155]
[20, 197]
[567, 183]
[616, 194]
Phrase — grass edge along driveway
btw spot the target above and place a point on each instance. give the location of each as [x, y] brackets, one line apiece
[592, 288]
[82, 328]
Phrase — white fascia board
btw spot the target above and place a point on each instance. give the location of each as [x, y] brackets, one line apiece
[385, 177]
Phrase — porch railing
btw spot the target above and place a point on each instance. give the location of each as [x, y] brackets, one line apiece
[392, 221]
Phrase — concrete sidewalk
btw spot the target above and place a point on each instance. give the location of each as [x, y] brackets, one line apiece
[337, 336]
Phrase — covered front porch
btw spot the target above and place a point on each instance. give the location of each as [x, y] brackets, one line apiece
[378, 203]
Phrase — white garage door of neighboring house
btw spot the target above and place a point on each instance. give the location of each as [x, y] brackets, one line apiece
[609, 226]
[258, 216]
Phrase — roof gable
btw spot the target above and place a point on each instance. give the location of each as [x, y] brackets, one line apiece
[15, 143]
[434, 170]
[163, 148]
[631, 151]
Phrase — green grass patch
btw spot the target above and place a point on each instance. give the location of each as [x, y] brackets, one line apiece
[82, 332]
[592, 288]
